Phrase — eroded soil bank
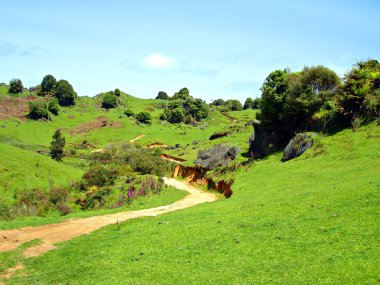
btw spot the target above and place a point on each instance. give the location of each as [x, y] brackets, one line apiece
[198, 176]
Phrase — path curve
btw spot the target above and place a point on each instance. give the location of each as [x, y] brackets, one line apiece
[55, 233]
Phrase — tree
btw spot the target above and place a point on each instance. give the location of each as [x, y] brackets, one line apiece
[53, 106]
[48, 84]
[38, 110]
[109, 101]
[248, 104]
[15, 86]
[233, 105]
[65, 94]
[117, 92]
[181, 94]
[256, 103]
[57, 145]
[162, 95]
[144, 117]
[218, 102]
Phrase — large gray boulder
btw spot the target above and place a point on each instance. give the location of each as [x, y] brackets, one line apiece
[297, 146]
[261, 143]
[219, 155]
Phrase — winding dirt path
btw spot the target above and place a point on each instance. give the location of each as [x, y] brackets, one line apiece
[55, 233]
[137, 138]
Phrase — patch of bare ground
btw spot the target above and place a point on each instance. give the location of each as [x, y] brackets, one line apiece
[97, 123]
[15, 107]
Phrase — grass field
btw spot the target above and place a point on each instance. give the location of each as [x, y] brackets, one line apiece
[312, 220]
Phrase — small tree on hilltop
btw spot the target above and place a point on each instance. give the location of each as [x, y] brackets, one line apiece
[48, 84]
[248, 104]
[162, 95]
[117, 92]
[109, 101]
[65, 93]
[15, 86]
[57, 145]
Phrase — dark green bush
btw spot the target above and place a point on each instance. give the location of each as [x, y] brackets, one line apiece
[38, 110]
[15, 86]
[162, 95]
[117, 92]
[109, 101]
[48, 85]
[65, 93]
[99, 176]
[53, 106]
[129, 113]
[144, 117]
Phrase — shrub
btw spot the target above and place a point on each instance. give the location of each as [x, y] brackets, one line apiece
[162, 95]
[248, 104]
[65, 93]
[100, 176]
[109, 101]
[58, 195]
[63, 209]
[234, 105]
[129, 113]
[53, 106]
[38, 110]
[15, 86]
[117, 92]
[32, 202]
[144, 117]
[4, 210]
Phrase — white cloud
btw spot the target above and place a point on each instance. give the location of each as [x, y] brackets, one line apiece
[159, 61]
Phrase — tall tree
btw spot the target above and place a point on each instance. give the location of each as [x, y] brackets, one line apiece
[65, 93]
[57, 145]
[48, 84]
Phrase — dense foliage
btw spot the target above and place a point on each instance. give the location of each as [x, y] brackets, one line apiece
[38, 110]
[184, 108]
[162, 95]
[57, 145]
[53, 106]
[48, 85]
[65, 94]
[109, 100]
[15, 86]
[144, 117]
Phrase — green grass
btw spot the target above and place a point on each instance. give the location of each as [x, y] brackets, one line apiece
[22, 169]
[312, 220]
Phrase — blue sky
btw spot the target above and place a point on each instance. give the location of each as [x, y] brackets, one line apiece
[216, 48]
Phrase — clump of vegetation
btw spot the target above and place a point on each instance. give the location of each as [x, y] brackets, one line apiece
[182, 106]
[252, 104]
[162, 95]
[65, 93]
[15, 86]
[57, 145]
[129, 113]
[99, 176]
[38, 110]
[53, 106]
[117, 92]
[109, 100]
[144, 117]
[48, 85]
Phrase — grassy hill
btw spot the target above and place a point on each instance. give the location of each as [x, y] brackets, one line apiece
[310, 220]
[313, 219]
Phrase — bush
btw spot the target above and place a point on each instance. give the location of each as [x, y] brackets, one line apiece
[162, 95]
[99, 176]
[32, 202]
[109, 101]
[233, 105]
[15, 86]
[63, 209]
[65, 94]
[117, 92]
[144, 117]
[248, 104]
[38, 110]
[129, 113]
[53, 106]
[58, 195]
[4, 210]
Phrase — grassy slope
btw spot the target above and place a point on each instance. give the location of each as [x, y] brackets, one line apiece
[20, 169]
[310, 220]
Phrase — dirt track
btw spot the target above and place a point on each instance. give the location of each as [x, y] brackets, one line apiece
[60, 232]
